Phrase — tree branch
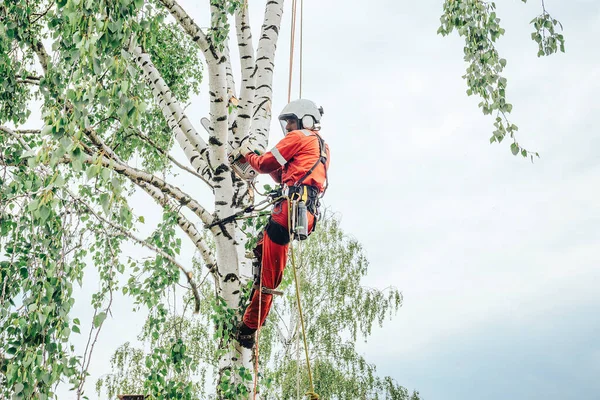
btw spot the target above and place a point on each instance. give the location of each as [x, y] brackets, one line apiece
[99, 143]
[141, 242]
[186, 135]
[16, 135]
[42, 54]
[186, 226]
[264, 72]
[193, 30]
[171, 158]
[137, 176]
[29, 81]
[248, 67]
[133, 174]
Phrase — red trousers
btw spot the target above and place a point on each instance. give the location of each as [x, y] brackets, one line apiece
[274, 258]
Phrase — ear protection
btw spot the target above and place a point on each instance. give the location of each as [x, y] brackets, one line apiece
[308, 122]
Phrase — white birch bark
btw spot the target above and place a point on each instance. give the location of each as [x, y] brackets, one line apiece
[137, 176]
[248, 67]
[252, 118]
[265, 63]
[186, 135]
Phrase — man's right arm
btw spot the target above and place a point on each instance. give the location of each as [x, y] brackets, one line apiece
[276, 175]
[278, 156]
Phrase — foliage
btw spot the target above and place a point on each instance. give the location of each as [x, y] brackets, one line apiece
[219, 30]
[477, 21]
[338, 312]
[60, 205]
[65, 193]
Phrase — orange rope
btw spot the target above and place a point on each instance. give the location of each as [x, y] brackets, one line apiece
[292, 39]
[301, 36]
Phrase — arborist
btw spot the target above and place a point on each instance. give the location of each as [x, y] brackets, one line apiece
[299, 162]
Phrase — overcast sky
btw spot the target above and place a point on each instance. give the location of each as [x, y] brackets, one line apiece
[497, 257]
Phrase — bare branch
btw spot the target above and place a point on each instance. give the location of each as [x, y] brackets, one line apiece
[16, 135]
[99, 143]
[39, 16]
[217, 16]
[29, 81]
[42, 54]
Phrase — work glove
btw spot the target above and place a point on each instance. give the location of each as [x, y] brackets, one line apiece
[246, 148]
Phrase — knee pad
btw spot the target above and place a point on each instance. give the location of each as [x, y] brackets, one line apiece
[277, 233]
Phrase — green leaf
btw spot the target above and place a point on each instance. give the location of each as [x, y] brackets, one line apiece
[44, 213]
[105, 202]
[33, 205]
[99, 319]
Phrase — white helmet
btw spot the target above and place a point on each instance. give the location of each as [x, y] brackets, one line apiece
[306, 114]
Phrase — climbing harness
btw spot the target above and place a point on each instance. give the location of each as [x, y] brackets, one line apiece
[321, 160]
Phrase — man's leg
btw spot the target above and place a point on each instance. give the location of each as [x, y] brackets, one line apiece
[275, 244]
[274, 256]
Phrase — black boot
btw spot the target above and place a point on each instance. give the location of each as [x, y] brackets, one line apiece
[246, 336]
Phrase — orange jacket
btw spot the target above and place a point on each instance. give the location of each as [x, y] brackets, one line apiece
[293, 157]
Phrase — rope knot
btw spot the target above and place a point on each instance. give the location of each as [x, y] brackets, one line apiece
[312, 395]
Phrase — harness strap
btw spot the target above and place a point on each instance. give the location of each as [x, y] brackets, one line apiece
[266, 290]
[322, 159]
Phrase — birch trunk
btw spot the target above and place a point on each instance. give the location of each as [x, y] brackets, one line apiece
[251, 118]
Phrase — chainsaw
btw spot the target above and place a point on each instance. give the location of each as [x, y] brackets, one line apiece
[241, 168]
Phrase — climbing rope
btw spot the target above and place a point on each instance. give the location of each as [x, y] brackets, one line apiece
[301, 35]
[311, 393]
[292, 37]
[256, 352]
[292, 43]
